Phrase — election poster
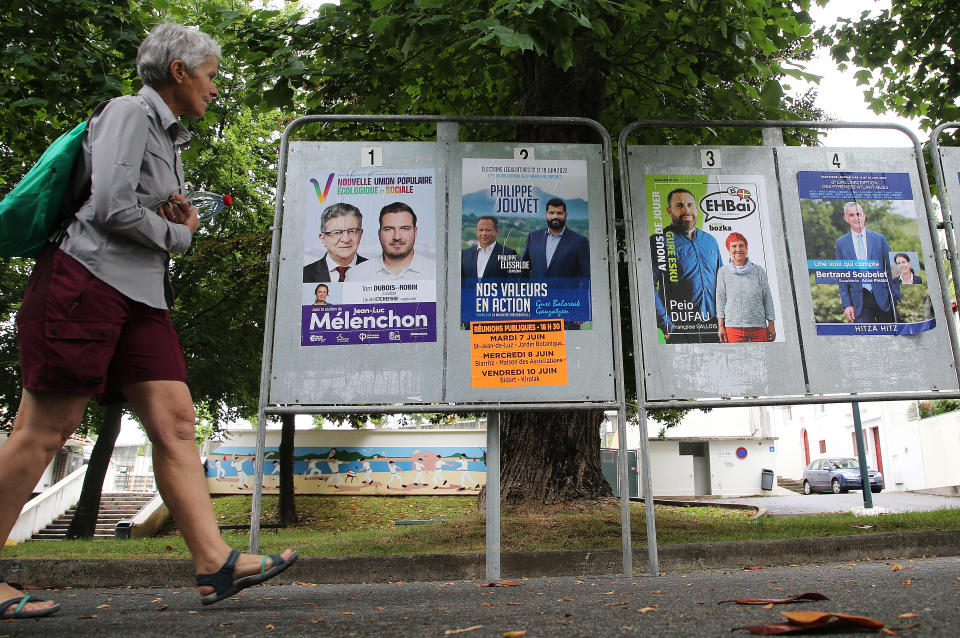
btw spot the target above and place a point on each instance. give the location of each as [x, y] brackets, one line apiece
[712, 259]
[525, 242]
[369, 257]
[862, 236]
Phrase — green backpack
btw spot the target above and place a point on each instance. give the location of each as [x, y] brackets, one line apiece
[45, 198]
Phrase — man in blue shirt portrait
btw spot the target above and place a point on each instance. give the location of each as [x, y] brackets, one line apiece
[685, 264]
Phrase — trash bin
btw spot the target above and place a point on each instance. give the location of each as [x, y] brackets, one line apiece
[766, 480]
[122, 530]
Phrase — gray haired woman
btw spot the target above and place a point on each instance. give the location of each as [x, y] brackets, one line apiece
[95, 319]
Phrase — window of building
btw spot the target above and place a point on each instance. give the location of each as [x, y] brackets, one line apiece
[823, 447]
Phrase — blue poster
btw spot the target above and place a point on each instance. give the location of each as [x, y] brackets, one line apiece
[525, 241]
[864, 256]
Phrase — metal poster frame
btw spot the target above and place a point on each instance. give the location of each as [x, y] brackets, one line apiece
[943, 191]
[447, 131]
[772, 136]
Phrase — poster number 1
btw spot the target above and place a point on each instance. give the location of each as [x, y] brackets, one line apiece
[709, 158]
[837, 161]
[523, 153]
[371, 156]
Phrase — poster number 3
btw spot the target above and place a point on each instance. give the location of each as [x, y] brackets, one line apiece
[371, 156]
[709, 158]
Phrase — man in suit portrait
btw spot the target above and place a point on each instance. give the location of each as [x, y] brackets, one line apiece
[489, 259]
[341, 227]
[873, 301]
[399, 260]
[557, 252]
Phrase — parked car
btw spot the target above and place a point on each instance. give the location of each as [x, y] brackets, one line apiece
[837, 475]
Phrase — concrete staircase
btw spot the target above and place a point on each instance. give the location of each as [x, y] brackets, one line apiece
[794, 485]
[114, 507]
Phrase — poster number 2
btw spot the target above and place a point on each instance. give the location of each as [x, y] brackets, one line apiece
[837, 161]
[371, 156]
[709, 158]
[523, 153]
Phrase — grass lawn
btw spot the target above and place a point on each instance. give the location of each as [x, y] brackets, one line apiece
[364, 526]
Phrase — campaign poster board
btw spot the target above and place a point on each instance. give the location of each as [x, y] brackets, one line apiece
[532, 321]
[686, 277]
[844, 355]
[864, 258]
[377, 335]
[950, 163]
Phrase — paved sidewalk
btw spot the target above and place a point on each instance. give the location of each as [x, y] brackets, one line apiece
[792, 503]
[678, 604]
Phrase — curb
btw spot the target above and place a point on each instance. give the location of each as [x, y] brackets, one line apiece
[440, 567]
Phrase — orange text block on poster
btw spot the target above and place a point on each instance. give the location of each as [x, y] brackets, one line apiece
[506, 354]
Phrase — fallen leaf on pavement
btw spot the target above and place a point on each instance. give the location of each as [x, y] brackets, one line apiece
[820, 621]
[609, 593]
[908, 581]
[160, 608]
[646, 610]
[269, 627]
[450, 632]
[514, 634]
[346, 613]
[768, 606]
[777, 601]
[499, 583]
[103, 606]
[909, 614]
[300, 582]
[896, 568]
[617, 604]
[85, 617]
[513, 603]
[487, 604]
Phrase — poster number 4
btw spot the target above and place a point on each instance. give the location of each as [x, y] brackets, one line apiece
[371, 156]
[709, 158]
[837, 161]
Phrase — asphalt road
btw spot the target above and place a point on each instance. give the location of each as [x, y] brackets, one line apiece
[786, 504]
[678, 604]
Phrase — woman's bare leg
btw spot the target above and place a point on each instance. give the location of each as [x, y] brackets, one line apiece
[166, 410]
[44, 421]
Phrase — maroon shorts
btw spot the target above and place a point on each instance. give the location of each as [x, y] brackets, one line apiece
[78, 334]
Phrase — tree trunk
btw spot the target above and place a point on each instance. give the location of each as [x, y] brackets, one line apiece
[286, 506]
[548, 458]
[84, 523]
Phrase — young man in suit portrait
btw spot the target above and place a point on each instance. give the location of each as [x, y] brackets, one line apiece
[341, 227]
[483, 261]
[867, 302]
[557, 252]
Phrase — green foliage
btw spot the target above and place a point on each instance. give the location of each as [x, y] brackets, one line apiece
[933, 408]
[907, 58]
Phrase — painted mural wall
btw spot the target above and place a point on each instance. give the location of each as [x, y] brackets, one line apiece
[362, 464]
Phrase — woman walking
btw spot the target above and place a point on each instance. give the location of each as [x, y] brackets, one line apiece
[95, 319]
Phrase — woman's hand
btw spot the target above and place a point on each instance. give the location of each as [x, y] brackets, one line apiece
[179, 211]
[721, 330]
[771, 332]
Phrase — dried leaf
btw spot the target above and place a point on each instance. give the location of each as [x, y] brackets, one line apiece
[160, 608]
[646, 610]
[269, 627]
[609, 593]
[346, 613]
[804, 621]
[777, 601]
[513, 603]
[499, 583]
[104, 606]
[896, 567]
[908, 581]
[486, 604]
[909, 614]
[626, 602]
[300, 582]
[86, 617]
[315, 621]
[659, 591]
[768, 606]
[514, 634]
[450, 632]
